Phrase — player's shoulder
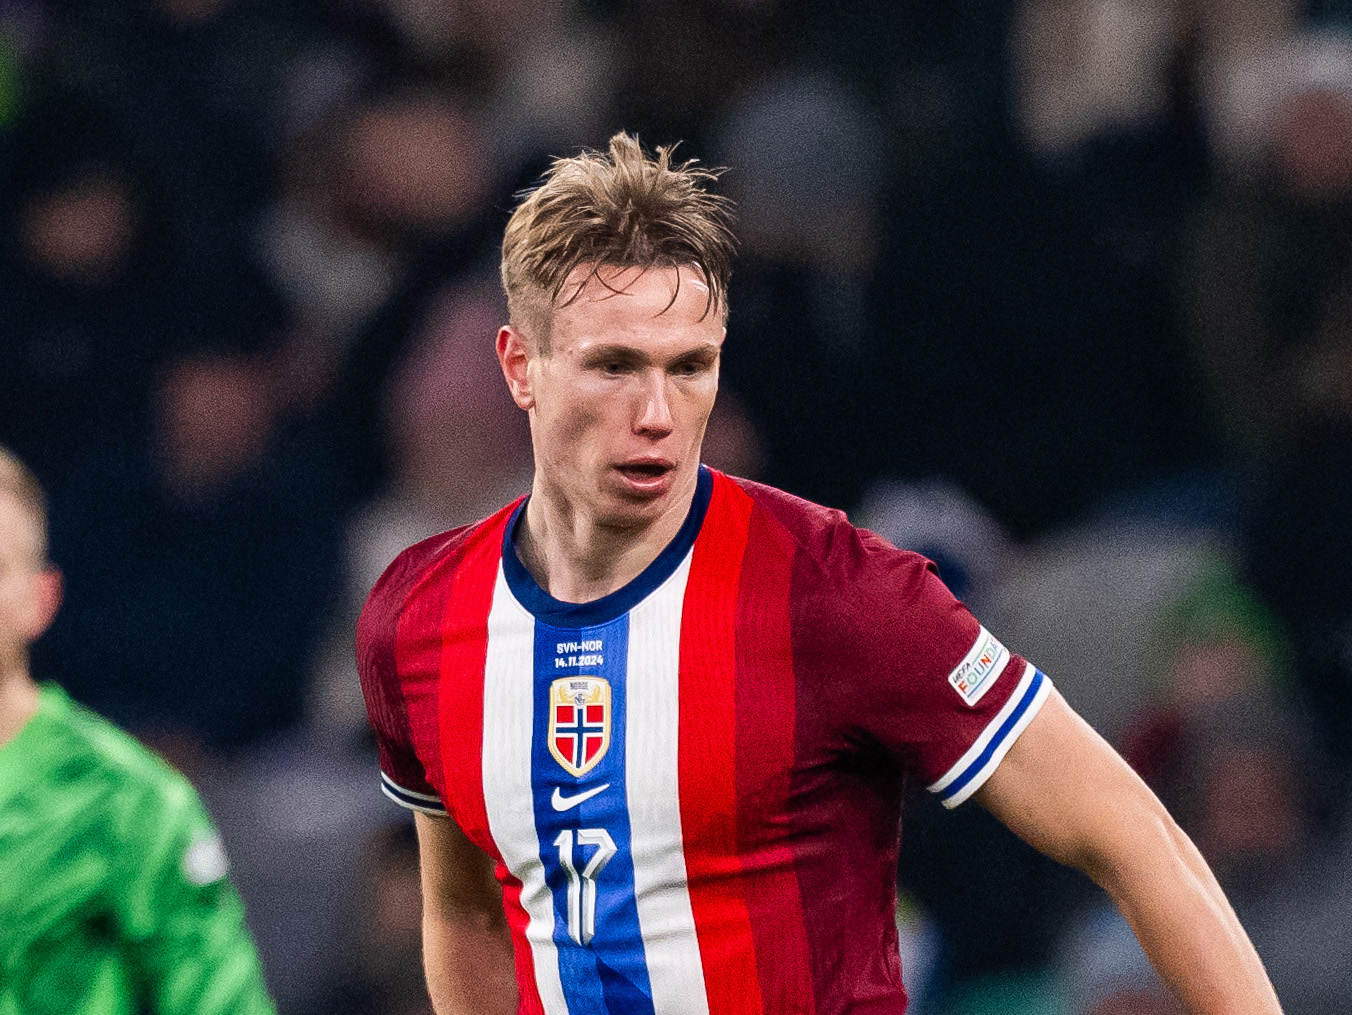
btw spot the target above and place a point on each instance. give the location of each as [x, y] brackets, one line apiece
[425, 564]
[829, 544]
[94, 758]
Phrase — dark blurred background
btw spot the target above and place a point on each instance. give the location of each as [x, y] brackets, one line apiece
[1058, 292]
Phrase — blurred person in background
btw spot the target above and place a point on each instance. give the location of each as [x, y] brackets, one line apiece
[419, 182]
[188, 89]
[1269, 251]
[1220, 740]
[1271, 262]
[808, 158]
[114, 897]
[385, 188]
[541, 71]
[381, 968]
[1026, 262]
[199, 534]
[80, 335]
[1216, 650]
[457, 449]
[541, 75]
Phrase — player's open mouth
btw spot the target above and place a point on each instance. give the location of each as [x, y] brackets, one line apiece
[646, 474]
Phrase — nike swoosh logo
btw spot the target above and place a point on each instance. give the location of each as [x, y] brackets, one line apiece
[563, 803]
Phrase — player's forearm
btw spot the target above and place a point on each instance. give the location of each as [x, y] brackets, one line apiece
[470, 967]
[1186, 926]
[1070, 795]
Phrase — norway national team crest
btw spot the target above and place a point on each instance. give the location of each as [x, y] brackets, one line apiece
[579, 722]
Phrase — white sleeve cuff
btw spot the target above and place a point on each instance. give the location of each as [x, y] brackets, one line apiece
[428, 803]
[971, 770]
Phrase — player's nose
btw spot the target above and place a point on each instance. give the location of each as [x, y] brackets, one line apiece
[654, 416]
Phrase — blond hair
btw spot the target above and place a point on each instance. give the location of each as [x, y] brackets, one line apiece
[18, 482]
[624, 209]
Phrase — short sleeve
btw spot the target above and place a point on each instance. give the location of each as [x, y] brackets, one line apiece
[403, 778]
[932, 685]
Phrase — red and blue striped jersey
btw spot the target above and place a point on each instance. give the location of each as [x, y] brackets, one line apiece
[691, 787]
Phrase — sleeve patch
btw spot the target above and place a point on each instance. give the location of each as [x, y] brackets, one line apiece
[980, 668]
[204, 863]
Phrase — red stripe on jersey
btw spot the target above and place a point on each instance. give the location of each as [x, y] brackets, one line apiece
[464, 650]
[707, 756]
[517, 920]
[766, 727]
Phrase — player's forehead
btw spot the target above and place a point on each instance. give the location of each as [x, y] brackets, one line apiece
[662, 305]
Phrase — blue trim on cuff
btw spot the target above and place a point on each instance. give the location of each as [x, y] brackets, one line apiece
[407, 798]
[979, 762]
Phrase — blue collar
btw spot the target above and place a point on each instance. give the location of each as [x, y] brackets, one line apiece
[602, 611]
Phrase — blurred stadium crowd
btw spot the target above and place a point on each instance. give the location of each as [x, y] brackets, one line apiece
[1058, 292]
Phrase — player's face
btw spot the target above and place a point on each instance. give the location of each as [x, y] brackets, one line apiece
[619, 402]
[28, 592]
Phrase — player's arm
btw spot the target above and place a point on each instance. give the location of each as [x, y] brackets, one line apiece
[1065, 791]
[192, 950]
[467, 946]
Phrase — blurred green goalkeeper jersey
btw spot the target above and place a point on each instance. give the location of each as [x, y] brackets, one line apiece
[113, 894]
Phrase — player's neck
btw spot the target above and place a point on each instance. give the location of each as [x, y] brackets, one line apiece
[577, 559]
[18, 702]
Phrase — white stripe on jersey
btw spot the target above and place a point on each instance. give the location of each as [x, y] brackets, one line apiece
[509, 715]
[665, 917]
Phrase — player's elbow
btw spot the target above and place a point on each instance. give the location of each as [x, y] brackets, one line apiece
[463, 917]
[468, 959]
[1142, 845]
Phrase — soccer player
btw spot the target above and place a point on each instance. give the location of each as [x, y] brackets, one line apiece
[113, 891]
[655, 720]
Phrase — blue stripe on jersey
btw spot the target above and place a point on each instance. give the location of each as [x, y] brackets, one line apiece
[996, 741]
[606, 975]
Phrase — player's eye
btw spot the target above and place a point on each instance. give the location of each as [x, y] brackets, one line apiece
[690, 368]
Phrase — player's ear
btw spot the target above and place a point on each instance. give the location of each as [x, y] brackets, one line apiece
[46, 600]
[514, 355]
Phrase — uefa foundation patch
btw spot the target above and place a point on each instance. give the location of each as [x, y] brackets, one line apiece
[980, 668]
